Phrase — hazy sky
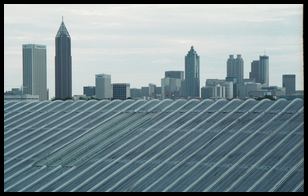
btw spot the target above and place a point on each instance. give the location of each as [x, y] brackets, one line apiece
[137, 43]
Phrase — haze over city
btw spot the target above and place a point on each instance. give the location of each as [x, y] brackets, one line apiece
[136, 44]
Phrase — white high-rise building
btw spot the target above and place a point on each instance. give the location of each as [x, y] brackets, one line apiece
[103, 87]
[34, 70]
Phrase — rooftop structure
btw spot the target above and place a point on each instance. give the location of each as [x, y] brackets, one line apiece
[139, 145]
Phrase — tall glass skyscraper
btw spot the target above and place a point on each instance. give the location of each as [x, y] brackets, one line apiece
[254, 74]
[264, 70]
[260, 70]
[34, 70]
[192, 74]
[63, 64]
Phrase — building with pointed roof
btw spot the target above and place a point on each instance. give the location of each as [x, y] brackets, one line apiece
[63, 64]
[192, 74]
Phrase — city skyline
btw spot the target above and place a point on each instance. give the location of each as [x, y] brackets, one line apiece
[145, 62]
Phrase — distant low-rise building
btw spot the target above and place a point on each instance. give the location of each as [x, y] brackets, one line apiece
[152, 91]
[89, 91]
[135, 93]
[208, 92]
[14, 91]
[245, 88]
[80, 97]
[121, 91]
[171, 88]
[275, 90]
[145, 92]
[217, 88]
[22, 97]
[288, 81]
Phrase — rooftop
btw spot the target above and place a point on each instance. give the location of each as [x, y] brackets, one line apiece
[181, 145]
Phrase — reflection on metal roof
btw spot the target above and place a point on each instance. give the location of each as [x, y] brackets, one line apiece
[181, 145]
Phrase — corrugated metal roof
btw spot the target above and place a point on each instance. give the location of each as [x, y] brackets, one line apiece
[181, 145]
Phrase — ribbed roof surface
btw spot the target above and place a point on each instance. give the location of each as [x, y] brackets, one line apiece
[154, 145]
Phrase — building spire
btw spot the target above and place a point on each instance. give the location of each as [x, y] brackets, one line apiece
[62, 30]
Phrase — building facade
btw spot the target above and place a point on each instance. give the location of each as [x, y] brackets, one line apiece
[174, 74]
[219, 89]
[260, 70]
[89, 91]
[192, 74]
[288, 81]
[235, 67]
[103, 87]
[145, 92]
[244, 89]
[264, 70]
[23, 97]
[121, 91]
[135, 93]
[34, 70]
[63, 68]
[171, 88]
[254, 73]
[152, 91]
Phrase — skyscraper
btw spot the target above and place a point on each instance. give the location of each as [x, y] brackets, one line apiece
[254, 73]
[264, 70]
[63, 63]
[192, 74]
[288, 81]
[34, 70]
[260, 70]
[103, 87]
[235, 68]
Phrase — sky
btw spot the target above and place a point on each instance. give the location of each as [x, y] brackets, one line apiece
[137, 43]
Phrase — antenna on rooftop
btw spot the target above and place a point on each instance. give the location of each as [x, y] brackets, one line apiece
[62, 18]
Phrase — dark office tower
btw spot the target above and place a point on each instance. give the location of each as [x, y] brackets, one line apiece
[235, 68]
[63, 68]
[121, 91]
[254, 74]
[192, 74]
[264, 70]
[288, 81]
[89, 91]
